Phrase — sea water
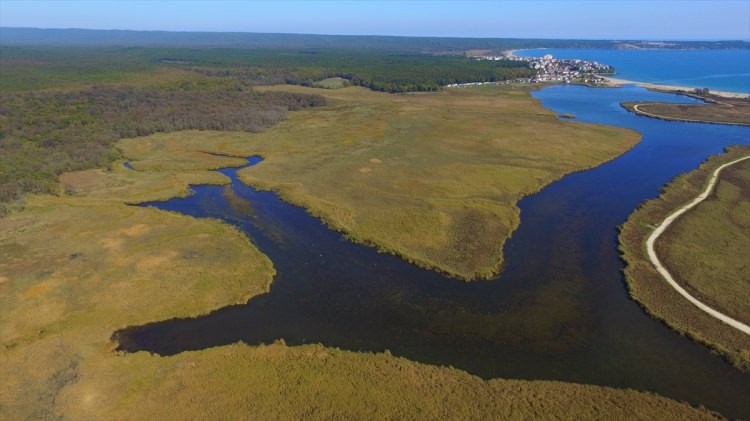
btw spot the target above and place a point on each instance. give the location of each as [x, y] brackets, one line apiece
[721, 70]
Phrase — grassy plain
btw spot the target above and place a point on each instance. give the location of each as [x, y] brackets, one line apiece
[706, 252]
[79, 266]
[313, 382]
[719, 110]
[433, 178]
[708, 247]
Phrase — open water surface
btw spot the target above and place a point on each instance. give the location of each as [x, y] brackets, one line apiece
[558, 311]
[721, 70]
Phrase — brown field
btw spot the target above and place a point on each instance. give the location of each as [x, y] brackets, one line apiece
[708, 247]
[706, 252]
[314, 382]
[78, 266]
[433, 178]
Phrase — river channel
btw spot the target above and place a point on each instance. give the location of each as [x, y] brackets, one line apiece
[560, 309]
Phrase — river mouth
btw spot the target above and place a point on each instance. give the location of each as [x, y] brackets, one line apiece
[559, 311]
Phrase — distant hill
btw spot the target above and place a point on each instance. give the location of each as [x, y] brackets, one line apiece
[91, 37]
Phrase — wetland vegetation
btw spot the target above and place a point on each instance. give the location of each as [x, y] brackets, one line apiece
[705, 250]
[45, 134]
[432, 177]
[83, 265]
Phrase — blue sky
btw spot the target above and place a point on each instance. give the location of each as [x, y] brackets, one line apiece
[592, 19]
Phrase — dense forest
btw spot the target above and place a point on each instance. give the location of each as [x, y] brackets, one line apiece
[43, 134]
[91, 37]
[27, 68]
[394, 73]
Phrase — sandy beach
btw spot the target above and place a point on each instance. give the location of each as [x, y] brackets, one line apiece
[619, 82]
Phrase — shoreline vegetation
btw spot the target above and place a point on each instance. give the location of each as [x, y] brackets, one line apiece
[716, 110]
[82, 265]
[433, 179]
[46, 134]
[651, 240]
[714, 231]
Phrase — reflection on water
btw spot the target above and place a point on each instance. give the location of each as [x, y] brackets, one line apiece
[559, 311]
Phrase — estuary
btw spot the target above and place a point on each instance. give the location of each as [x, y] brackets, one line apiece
[559, 310]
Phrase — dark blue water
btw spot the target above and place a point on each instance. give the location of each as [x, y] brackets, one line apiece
[722, 70]
[559, 311]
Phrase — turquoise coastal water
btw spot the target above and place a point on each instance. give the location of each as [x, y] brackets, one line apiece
[721, 70]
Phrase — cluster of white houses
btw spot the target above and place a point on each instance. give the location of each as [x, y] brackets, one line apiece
[550, 69]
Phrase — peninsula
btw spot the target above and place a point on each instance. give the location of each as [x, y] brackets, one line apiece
[706, 251]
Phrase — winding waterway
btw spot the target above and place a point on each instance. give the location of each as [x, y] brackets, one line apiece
[560, 309]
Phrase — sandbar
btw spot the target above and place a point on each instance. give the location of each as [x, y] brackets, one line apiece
[619, 82]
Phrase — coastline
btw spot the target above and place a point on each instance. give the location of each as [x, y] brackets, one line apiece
[616, 82]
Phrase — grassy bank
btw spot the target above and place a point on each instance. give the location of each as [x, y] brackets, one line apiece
[313, 382]
[705, 250]
[718, 110]
[433, 178]
[79, 266]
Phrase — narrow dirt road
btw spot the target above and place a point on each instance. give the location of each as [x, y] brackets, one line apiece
[663, 271]
[689, 120]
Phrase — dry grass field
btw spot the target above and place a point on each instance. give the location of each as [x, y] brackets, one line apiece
[313, 382]
[708, 248]
[718, 110]
[706, 252]
[433, 178]
[78, 266]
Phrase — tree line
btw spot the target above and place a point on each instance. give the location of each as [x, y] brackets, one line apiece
[43, 134]
[394, 73]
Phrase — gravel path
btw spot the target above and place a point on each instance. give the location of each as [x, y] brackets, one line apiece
[663, 271]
